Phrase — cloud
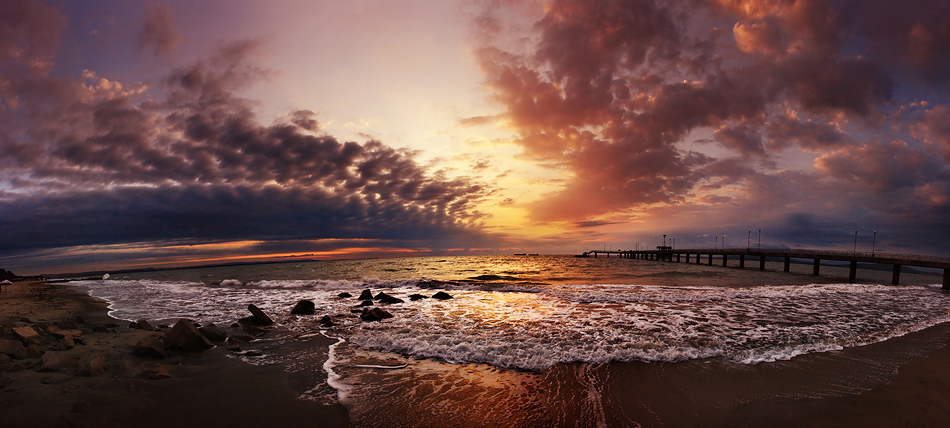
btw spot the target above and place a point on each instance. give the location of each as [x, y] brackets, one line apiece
[89, 161]
[611, 93]
[158, 34]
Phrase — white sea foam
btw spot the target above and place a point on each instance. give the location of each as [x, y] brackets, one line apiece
[594, 323]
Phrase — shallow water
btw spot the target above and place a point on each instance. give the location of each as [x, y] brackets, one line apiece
[546, 340]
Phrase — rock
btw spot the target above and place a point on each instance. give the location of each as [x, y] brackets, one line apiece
[68, 342]
[91, 364]
[99, 328]
[376, 314]
[79, 320]
[367, 303]
[25, 333]
[326, 321]
[58, 360]
[184, 336]
[259, 315]
[415, 297]
[304, 307]
[35, 351]
[155, 371]
[13, 348]
[344, 295]
[144, 325]
[69, 325]
[133, 325]
[61, 333]
[366, 295]
[214, 333]
[253, 354]
[149, 347]
[441, 296]
[385, 298]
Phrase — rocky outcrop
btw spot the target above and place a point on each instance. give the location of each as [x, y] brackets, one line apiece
[185, 337]
[304, 307]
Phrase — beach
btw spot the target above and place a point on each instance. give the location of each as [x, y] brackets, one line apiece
[511, 348]
[202, 389]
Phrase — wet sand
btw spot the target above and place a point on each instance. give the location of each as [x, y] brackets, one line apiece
[204, 389]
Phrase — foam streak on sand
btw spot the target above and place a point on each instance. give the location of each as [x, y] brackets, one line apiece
[333, 378]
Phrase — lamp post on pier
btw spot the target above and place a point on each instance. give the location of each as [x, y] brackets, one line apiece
[855, 250]
[873, 243]
[760, 240]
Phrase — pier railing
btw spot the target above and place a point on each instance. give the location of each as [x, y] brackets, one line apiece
[853, 258]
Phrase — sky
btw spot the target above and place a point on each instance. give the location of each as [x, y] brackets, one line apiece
[171, 133]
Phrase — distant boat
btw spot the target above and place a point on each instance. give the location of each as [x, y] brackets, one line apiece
[535, 254]
[521, 254]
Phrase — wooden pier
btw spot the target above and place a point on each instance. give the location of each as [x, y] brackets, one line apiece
[687, 255]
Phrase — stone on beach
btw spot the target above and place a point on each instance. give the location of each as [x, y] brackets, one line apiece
[144, 325]
[214, 333]
[344, 295]
[376, 314]
[326, 321]
[25, 333]
[149, 347]
[442, 295]
[13, 348]
[304, 307]
[366, 295]
[58, 360]
[185, 337]
[385, 298]
[260, 318]
[415, 297]
[156, 371]
[91, 364]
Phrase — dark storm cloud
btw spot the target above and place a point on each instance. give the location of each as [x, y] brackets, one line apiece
[612, 90]
[93, 161]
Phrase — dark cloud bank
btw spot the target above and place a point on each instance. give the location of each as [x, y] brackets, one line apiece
[91, 161]
[629, 95]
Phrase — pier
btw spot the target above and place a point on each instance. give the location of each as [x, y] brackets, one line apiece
[699, 256]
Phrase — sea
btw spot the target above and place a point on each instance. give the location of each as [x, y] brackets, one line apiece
[557, 340]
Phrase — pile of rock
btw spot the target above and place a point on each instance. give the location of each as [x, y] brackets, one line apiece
[48, 347]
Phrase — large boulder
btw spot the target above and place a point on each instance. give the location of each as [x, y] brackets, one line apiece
[149, 347]
[260, 318]
[376, 314]
[366, 295]
[91, 364]
[415, 297]
[344, 295]
[185, 337]
[326, 321]
[214, 333]
[304, 307]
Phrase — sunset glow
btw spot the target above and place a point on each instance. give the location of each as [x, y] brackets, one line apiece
[137, 134]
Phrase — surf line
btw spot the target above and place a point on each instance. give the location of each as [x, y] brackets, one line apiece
[374, 366]
[333, 378]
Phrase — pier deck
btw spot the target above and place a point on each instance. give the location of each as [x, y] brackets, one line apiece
[896, 260]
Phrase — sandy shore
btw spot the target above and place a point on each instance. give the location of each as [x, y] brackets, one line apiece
[189, 389]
